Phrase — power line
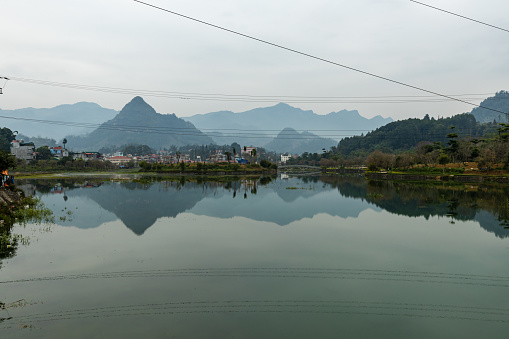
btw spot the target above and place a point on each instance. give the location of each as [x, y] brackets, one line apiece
[461, 16]
[184, 131]
[389, 99]
[316, 57]
[196, 132]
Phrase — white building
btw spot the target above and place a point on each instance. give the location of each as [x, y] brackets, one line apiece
[285, 157]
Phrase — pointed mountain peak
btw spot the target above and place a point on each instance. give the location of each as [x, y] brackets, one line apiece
[137, 106]
[287, 131]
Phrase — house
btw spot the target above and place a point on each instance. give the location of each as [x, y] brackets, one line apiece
[119, 160]
[247, 151]
[86, 155]
[58, 152]
[218, 157]
[22, 150]
[285, 157]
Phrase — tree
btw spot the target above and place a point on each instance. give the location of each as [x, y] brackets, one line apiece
[7, 161]
[228, 156]
[253, 153]
[453, 144]
[443, 160]
[64, 142]
[236, 148]
[6, 136]
[43, 153]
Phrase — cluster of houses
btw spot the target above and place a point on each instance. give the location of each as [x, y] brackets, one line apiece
[26, 151]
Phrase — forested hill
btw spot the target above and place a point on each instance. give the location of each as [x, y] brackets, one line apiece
[406, 134]
[499, 102]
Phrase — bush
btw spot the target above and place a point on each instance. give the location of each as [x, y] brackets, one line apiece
[265, 163]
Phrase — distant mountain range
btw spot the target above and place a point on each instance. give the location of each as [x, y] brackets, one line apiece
[27, 121]
[291, 141]
[258, 126]
[138, 123]
[265, 127]
[88, 126]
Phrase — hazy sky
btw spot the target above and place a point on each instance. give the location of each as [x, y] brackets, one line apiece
[124, 44]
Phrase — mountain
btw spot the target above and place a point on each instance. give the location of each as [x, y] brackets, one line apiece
[291, 141]
[405, 134]
[499, 102]
[81, 112]
[138, 123]
[251, 127]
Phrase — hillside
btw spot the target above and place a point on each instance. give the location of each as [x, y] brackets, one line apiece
[406, 134]
[138, 123]
[499, 102]
[81, 112]
[289, 140]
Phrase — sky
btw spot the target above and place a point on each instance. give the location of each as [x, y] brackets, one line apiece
[128, 45]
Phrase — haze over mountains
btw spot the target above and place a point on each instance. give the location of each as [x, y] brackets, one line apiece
[82, 112]
[138, 123]
[281, 128]
[269, 121]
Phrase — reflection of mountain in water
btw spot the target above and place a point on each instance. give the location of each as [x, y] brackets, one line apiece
[139, 206]
[284, 202]
[281, 202]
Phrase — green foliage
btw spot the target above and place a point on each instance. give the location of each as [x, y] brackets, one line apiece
[7, 161]
[266, 164]
[443, 159]
[6, 136]
[43, 153]
[137, 150]
[403, 135]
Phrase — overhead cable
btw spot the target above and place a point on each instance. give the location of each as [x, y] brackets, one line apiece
[315, 57]
[388, 99]
[461, 16]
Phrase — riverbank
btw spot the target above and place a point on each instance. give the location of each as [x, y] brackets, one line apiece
[9, 197]
[451, 177]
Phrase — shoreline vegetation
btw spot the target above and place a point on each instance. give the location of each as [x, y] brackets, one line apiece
[16, 208]
[464, 172]
[180, 169]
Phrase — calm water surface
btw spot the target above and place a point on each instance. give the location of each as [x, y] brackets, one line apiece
[321, 257]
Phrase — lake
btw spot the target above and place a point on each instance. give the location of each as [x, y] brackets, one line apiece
[280, 257]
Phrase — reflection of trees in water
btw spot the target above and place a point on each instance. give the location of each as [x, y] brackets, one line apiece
[19, 212]
[458, 201]
[8, 243]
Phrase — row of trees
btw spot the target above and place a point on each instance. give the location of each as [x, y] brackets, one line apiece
[490, 149]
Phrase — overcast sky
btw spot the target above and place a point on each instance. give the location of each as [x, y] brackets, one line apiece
[124, 44]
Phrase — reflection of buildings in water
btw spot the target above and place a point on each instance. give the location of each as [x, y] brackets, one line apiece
[28, 189]
[170, 198]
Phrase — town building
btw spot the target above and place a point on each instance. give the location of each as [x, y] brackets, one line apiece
[119, 160]
[86, 156]
[58, 152]
[23, 150]
[285, 157]
[219, 156]
[247, 151]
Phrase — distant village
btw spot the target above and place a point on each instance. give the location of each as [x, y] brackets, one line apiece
[27, 151]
